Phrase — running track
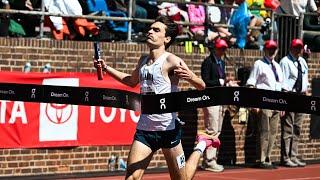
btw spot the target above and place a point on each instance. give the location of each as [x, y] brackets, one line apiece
[310, 172]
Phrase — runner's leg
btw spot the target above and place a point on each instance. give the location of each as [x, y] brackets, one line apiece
[139, 158]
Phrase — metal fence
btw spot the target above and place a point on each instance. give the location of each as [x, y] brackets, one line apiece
[287, 26]
[42, 13]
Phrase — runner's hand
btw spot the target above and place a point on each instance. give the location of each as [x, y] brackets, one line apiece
[99, 63]
[183, 73]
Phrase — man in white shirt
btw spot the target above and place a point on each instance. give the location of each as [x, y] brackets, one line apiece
[295, 70]
[266, 74]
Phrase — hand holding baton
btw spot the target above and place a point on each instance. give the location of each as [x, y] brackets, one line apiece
[97, 55]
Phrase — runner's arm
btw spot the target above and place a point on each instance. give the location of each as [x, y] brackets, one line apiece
[181, 70]
[128, 79]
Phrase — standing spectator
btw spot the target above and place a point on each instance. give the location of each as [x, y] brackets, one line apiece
[213, 74]
[266, 74]
[295, 71]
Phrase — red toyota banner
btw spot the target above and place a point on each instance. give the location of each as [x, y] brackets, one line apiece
[29, 125]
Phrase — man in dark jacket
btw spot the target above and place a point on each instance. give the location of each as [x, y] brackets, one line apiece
[213, 74]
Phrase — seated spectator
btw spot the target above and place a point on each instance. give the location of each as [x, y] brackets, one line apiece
[197, 15]
[214, 16]
[28, 22]
[175, 13]
[137, 12]
[257, 19]
[59, 25]
[150, 6]
[109, 30]
[273, 4]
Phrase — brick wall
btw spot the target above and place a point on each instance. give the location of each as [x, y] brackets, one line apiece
[238, 139]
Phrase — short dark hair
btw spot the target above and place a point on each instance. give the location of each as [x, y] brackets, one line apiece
[171, 30]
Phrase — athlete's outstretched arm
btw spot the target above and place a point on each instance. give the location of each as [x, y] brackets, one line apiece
[128, 79]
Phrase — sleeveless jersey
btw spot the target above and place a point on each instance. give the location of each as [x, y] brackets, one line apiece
[153, 82]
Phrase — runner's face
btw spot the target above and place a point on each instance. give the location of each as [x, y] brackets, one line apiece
[156, 35]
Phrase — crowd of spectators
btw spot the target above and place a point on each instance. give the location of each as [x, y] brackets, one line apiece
[208, 19]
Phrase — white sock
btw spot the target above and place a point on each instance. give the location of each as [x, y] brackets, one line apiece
[201, 146]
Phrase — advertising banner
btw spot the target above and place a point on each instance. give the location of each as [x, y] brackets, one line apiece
[33, 124]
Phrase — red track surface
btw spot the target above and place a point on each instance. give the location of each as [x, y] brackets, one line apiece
[310, 172]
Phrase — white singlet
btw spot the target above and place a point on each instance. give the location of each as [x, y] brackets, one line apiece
[153, 82]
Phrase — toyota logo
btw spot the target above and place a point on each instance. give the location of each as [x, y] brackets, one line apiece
[58, 113]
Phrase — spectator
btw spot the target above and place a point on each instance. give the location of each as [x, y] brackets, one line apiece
[174, 12]
[5, 18]
[150, 6]
[295, 70]
[214, 16]
[257, 20]
[213, 74]
[59, 25]
[226, 12]
[257, 4]
[295, 7]
[266, 74]
[137, 12]
[28, 22]
[197, 15]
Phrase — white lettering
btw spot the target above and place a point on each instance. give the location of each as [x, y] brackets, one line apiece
[313, 106]
[92, 114]
[122, 115]
[236, 98]
[3, 112]
[196, 99]
[53, 94]
[162, 103]
[204, 97]
[107, 119]
[18, 110]
[278, 101]
[134, 117]
[7, 92]
[109, 98]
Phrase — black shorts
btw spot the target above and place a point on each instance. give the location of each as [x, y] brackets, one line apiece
[160, 139]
